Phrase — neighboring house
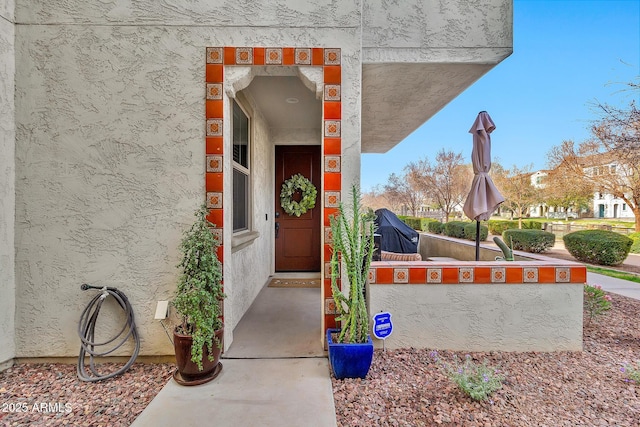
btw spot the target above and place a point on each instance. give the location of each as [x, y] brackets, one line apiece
[606, 205]
[120, 118]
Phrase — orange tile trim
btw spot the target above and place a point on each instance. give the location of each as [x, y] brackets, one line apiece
[219, 57]
[389, 272]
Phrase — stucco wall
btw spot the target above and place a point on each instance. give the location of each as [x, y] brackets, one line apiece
[479, 317]
[7, 183]
[110, 157]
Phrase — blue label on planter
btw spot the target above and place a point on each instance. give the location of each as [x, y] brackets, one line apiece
[382, 326]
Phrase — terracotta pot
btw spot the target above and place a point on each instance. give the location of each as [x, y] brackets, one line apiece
[188, 371]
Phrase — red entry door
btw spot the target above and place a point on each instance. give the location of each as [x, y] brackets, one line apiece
[297, 238]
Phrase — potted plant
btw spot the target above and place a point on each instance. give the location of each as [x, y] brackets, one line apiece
[198, 302]
[351, 347]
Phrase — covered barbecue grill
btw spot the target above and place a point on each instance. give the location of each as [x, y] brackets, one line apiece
[396, 236]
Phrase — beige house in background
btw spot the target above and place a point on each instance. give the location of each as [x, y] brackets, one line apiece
[120, 118]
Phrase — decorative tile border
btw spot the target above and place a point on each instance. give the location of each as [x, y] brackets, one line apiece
[332, 163]
[390, 272]
[217, 58]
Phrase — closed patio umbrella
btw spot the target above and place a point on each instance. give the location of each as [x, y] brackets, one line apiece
[484, 197]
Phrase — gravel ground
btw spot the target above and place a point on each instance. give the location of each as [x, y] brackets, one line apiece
[403, 388]
[406, 387]
[52, 395]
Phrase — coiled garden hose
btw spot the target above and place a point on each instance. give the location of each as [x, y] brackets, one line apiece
[86, 332]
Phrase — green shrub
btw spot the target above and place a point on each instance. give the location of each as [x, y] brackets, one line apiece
[470, 232]
[412, 222]
[635, 246]
[598, 246]
[497, 227]
[424, 223]
[435, 227]
[455, 229]
[534, 241]
[531, 225]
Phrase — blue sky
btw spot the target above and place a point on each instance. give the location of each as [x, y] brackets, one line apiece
[566, 55]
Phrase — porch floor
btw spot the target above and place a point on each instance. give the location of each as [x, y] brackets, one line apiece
[275, 372]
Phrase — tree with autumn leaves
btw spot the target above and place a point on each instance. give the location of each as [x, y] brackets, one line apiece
[609, 162]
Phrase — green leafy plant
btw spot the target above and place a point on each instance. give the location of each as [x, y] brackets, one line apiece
[596, 302]
[530, 240]
[477, 381]
[470, 232]
[199, 294]
[352, 233]
[435, 227]
[455, 229]
[600, 247]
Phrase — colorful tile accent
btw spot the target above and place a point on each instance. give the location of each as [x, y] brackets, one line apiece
[563, 274]
[214, 200]
[244, 56]
[214, 127]
[332, 181]
[332, 146]
[332, 57]
[214, 146]
[302, 56]
[466, 274]
[372, 275]
[328, 235]
[530, 274]
[214, 182]
[434, 275]
[400, 275]
[273, 56]
[327, 270]
[215, 55]
[332, 92]
[332, 128]
[386, 273]
[498, 275]
[214, 163]
[332, 199]
[482, 275]
[217, 233]
[332, 163]
[417, 276]
[214, 91]
[216, 217]
[330, 306]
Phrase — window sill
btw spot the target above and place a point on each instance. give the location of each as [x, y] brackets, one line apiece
[243, 240]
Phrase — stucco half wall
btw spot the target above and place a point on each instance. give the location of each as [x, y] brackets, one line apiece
[482, 317]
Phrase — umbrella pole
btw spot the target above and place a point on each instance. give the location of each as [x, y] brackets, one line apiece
[477, 240]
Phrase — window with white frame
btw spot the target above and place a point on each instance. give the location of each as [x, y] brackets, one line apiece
[241, 169]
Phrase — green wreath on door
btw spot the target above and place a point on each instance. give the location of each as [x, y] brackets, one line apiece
[291, 186]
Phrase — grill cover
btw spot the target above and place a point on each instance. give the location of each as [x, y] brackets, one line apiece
[396, 235]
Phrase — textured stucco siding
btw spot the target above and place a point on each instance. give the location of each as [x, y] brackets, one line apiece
[232, 13]
[482, 317]
[420, 28]
[110, 167]
[7, 184]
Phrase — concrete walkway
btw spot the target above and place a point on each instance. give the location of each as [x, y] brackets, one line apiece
[275, 372]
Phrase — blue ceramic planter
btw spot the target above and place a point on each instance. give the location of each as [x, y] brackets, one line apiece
[349, 360]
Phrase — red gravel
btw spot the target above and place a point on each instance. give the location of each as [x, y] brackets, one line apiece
[403, 388]
[406, 388]
[52, 395]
